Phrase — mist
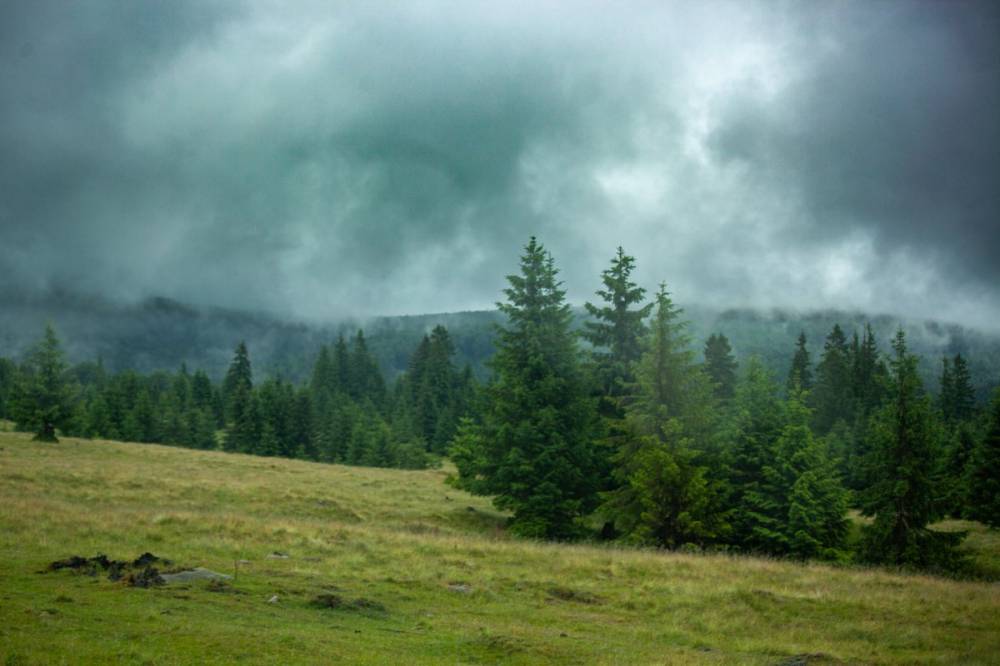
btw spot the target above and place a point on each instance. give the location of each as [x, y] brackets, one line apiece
[356, 160]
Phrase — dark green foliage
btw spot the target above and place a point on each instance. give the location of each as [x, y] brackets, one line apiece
[364, 380]
[832, 396]
[901, 466]
[868, 375]
[800, 375]
[789, 500]
[536, 452]
[43, 398]
[8, 373]
[815, 521]
[758, 420]
[954, 479]
[957, 398]
[721, 366]
[664, 495]
[242, 411]
[617, 328]
[984, 472]
[238, 382]
[432, 394]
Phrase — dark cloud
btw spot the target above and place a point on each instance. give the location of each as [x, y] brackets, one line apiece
[322, 161]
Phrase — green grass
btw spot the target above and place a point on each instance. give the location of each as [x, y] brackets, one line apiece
[455, 589]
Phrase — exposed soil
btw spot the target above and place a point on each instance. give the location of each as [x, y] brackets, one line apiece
[566, 594]
[337, 602]
[136, 573]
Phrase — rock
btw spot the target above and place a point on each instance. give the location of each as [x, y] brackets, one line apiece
[198, 573]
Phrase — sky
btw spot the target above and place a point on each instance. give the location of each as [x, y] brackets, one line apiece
[318, 160]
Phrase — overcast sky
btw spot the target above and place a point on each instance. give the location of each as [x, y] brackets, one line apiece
[321, 159]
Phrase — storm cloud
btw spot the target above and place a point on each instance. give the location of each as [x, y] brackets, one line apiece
[317, 160]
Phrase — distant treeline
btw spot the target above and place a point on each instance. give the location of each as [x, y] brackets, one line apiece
[344, 414]
[161, 334]
[631, 435]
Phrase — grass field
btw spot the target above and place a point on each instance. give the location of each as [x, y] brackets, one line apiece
[437, 579]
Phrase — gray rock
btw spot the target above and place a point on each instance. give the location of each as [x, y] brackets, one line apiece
[198, 573]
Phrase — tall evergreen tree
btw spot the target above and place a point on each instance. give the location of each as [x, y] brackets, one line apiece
[43, 397]
[868, 374]
[832, 396]
[813, 504]
[984, 472]
[963, 405]
[243, 428]
[8, 373]
[800, 374]
[617, 328]
[665, 495]
[721, 366]
[536, 453]
[900, 495]
[238, 380]
[757, 423]
[946, 391]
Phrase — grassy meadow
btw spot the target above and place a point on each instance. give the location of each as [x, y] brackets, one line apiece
[426, 572]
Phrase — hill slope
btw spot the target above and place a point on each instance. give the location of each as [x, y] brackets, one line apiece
[437, 580]
[160, 334]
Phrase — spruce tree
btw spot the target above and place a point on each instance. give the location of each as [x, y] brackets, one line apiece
[242, 430]
[815, 503]
[721, 366]
[984, 472]
[537, 457]
[946, 391]
[664, 495]
[239, 378]
[800, 374]
[832, 397]
[868, 374]
[900, 495]
[43, 398]
[8, 373]
[963, 395]
[757, 423]
[618, 327]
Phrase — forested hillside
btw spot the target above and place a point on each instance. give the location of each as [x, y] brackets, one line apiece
[161, 334]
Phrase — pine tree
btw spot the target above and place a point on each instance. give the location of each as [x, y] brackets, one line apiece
[537, 456]
[664, 495]
[43, 399]
[203, 428]
[832, 395]
[815, 503]
[800, 374]
[984, 473]
[617, 329]
[721, 366]
[8, 374]
[868, 374]
[243, 430]
[238, 381]
[946, 394]
[963, 395]
[954, 486]
[758, 420]
[900, 495]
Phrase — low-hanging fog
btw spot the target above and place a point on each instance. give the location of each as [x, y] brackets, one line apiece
[316, 160]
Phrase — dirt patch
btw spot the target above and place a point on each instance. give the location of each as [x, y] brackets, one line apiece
[139, 572]
[577, 596]
[809, 658]
[329, 601]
